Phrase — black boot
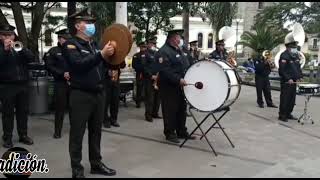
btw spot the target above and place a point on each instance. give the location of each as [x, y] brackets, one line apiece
[102, 169]
[77, 173]
[57, 135]
[107, 124]
[7, 142]
[26, 140]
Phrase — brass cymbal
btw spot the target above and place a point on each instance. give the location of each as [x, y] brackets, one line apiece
[130, 39]
[118, 37]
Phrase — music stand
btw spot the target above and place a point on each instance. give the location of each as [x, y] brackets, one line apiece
[204, 134]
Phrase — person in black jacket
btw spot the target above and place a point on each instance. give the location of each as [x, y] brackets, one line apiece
[220, 53]
[152, 50]
[262, 71]
[112, 87]
[138, 63]
[57, 66]
[290, 72]
[87, 68]
[173, 64]
[14, 87]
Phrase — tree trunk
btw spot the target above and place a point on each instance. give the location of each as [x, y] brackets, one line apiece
[38, 13]
[185, 25]
[19, 20]
[72, 8]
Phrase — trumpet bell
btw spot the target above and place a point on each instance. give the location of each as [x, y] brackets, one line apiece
[17, 46]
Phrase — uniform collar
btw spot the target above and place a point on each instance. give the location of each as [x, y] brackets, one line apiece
[82, 41]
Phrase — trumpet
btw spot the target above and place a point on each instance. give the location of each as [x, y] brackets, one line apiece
[267, 55]
[17, 46]
[231, 58]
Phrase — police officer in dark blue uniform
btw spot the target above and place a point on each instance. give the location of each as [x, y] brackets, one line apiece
[220, 53]
[87, 68]
[173, 65]
[290, 72]
[138, 62]
[14, 86]
[262, 70]
[56, 65]
[152, 50]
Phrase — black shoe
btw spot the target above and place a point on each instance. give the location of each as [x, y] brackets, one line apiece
[8, 143]
[273, 106]
[173, 139]
[107, 124]
[156, 116]
[292, 117]
[103, 170]
[77, 174]
[138, 106]
[284, 119]
[186, 135]
[115, 124]
[26, 140]
[57, 135]
[149, 119]
[260, 105]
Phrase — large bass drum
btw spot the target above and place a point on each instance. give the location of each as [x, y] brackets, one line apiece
[221, 85]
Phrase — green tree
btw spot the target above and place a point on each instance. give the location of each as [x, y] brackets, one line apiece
[264, 37]
[38, 11]
[220, 14]
[149, 17]
[281, 12]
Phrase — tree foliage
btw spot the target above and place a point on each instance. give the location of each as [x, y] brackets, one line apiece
[264, 37]
[301, 12]
[220, 14]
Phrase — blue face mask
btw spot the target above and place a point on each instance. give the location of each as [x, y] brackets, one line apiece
[294, 50]
[90, 30]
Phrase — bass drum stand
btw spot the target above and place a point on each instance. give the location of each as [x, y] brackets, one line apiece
[216, 122]
[305, 116]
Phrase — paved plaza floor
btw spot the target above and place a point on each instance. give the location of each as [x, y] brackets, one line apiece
[264, 146]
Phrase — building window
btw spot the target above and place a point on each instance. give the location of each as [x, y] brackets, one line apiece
[210, 40]
[47, 38]
[200, 39]
[260, 6]
[315, 43]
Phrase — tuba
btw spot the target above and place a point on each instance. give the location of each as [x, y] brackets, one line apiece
[297, 35]
[228, 34]
[267, 55]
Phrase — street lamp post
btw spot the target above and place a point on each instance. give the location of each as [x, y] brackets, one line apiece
[237, 21]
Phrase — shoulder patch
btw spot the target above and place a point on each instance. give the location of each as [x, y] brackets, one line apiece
[283, 61]
[70, 46]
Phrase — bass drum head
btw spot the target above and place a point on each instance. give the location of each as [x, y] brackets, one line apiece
[215, 85]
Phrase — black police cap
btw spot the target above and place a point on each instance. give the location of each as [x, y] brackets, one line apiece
[63, 33]
[83, 15]
[142, 43]
[220, 42]
[7, 28]
[175, 32]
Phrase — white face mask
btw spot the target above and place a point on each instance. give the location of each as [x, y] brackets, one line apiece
[153, 48]
[181, 43]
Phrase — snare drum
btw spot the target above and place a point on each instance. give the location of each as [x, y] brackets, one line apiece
[308, 89]
[221, 85]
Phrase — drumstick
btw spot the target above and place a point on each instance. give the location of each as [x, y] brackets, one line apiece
[198, 85]
[298, 83]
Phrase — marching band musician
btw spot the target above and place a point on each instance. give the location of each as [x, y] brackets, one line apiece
[56, 64]
[290, 73]
[152, 49]
[173, 64]
[263, 68]
[112, 88]
[220, 53]
[138, 61]
[14, 91]
[87, 69]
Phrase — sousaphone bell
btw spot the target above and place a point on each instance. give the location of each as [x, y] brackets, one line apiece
[121, 39]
